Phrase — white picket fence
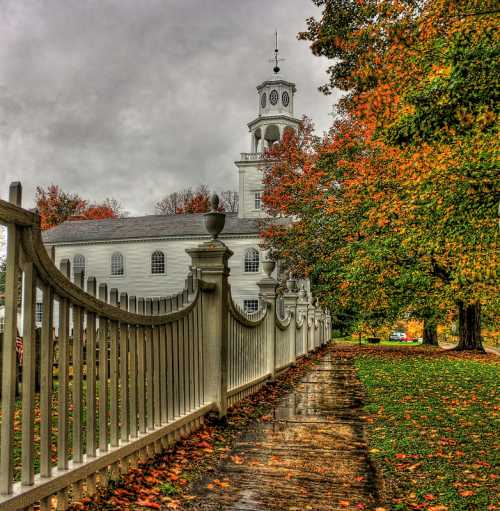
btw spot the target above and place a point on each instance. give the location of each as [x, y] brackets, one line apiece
[122, 377]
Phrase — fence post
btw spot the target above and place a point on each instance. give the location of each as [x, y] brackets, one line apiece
[317, 319]
[328, 325]
[267, 287]
[310, 319]
[290, 298]
[212, 259]
[9, 378]
[302, 313]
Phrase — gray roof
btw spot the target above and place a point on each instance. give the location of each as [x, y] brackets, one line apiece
[144, 227]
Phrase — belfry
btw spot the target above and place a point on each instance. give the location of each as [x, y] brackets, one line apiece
[275, 114]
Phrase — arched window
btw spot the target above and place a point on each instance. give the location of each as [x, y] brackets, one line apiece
[78, 265]
[158, 263]
[251, 261]
[117, 266]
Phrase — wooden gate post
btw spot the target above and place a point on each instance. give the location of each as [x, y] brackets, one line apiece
[211, 258]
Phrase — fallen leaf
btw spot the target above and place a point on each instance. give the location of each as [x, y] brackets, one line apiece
[466, 493]
[148, 503]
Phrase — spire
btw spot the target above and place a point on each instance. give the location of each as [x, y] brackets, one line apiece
[276, 60]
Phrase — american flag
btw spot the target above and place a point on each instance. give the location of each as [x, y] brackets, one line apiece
[19, 349]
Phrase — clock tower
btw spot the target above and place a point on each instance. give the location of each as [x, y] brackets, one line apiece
[275, 114]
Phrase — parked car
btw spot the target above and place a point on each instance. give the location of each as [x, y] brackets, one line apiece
[409, 338]
[397, 336]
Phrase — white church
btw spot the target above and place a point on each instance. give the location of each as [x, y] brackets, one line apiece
[146, 256]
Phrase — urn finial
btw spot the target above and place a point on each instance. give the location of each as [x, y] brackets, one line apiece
[214, 203]
[291, 283]
[268, 264]
[214, 220]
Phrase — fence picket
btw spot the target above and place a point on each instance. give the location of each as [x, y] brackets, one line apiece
[141, 371]
[163, 364]
[149, 368]
[133, 372]
[63, 377]
[103, 374]
[28, 385]
[91, 374]
[124, 373]
[77, 383]
[46, 368]
[114, 370]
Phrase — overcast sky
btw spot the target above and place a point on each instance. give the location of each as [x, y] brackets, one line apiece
[133, 99]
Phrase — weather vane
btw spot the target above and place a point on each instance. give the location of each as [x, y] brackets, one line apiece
[276, 68]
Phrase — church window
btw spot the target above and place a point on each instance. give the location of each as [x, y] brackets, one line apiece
[258, 200]
[78, 265]
[117, 266]
[263, 101]
[158, 263]
[273, 97]
[285, 98]
[39, 312]
[251, 261]
[251, 305]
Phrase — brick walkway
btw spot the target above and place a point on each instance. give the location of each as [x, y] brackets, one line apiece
[311, 455]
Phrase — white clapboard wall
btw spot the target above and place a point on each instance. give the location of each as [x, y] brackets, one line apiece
[138, 279]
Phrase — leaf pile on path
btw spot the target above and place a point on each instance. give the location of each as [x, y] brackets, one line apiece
[165, 481]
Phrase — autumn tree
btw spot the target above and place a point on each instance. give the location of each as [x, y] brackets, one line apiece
[363, 281]
[197, 200]
[56, 206]
[230, 201]
[404, 184]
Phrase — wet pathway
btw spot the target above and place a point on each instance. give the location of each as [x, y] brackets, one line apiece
[310, 455]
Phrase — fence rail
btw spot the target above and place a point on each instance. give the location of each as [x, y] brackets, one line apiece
[110, 379]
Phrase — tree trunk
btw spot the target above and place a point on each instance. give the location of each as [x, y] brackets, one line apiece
[430, 333]
[469, 327]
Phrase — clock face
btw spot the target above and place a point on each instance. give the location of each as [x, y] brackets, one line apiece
[273, 97]
[285, 98]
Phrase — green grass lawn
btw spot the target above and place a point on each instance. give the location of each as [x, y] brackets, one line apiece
[383, 342]
[433, 427]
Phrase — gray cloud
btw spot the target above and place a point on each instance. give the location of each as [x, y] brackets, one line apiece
[136, 98]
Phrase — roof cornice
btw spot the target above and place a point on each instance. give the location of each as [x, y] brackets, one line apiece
[266, 118]
[277, 81]
[147, 240]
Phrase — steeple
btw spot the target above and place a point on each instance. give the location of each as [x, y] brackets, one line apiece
[275, 115]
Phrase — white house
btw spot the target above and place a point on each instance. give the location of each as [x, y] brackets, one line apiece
[146, 256]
